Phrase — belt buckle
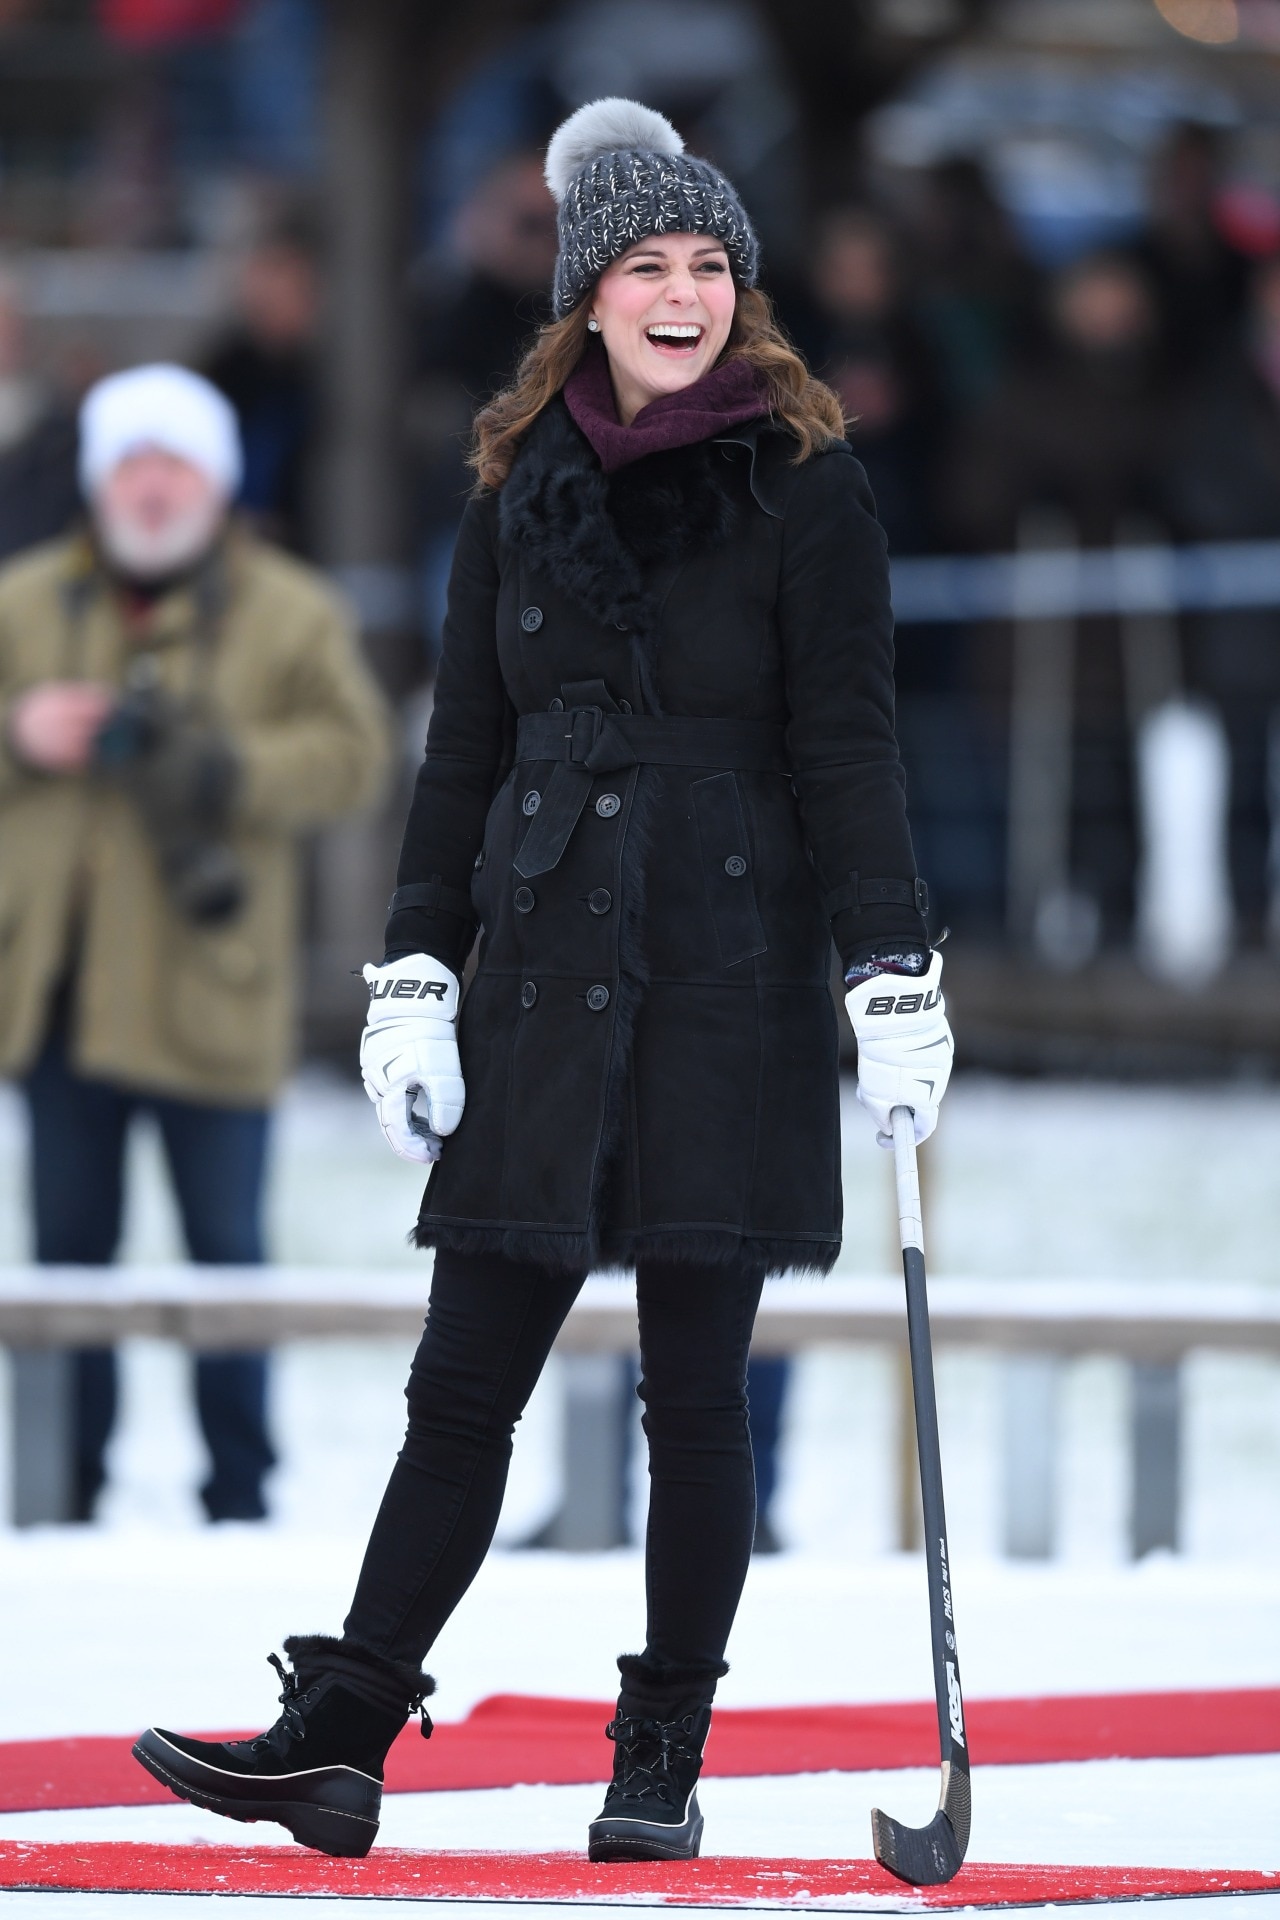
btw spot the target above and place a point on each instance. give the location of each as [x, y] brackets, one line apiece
[584, 730]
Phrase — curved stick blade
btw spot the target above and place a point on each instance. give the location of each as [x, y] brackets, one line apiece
[922, 1856]
[927, 1856]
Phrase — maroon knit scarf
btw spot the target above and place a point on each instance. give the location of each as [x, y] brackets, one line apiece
[727, 396]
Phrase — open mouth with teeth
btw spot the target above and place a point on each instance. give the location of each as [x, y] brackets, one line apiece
[675, 337]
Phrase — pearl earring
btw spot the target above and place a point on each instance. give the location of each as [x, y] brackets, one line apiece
[593, 326]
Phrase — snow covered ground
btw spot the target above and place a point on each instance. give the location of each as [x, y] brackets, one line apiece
[1101, 1813]
[149, 1615]
[118, 1628]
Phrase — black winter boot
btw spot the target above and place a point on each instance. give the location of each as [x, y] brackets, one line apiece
[318, 1770]
[651, 1810]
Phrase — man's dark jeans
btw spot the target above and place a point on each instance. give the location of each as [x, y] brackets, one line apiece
[216, 1158]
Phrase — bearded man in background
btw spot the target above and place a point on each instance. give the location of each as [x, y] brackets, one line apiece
[178, 702]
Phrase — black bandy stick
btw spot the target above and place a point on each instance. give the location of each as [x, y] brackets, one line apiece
[928, 1856]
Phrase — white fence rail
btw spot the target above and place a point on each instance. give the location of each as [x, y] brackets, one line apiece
[1134, 578]
[44, 1311]
[212, 1307]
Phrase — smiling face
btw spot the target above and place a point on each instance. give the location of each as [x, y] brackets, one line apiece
[665, 308]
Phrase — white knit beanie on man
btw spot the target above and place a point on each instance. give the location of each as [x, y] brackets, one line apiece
[161, 406]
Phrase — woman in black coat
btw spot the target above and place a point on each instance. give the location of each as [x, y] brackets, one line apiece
[661, 774]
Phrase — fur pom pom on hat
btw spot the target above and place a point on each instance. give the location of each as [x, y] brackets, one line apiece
[606, 126]
[619, 173]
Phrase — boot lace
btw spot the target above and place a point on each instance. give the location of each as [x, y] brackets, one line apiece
[648, 1755]
[426, 1724]
[293, 1699]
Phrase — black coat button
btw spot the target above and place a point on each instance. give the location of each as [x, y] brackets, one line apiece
[531, 619]
[532, 801]
[597, 998]
[528, 994]
[735, 866]
[557, 705]
[607, 805]
[600, 900]
[524, 899]
[479, 861]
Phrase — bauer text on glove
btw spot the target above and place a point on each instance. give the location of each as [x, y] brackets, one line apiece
[904, 1046]
[409, 1047]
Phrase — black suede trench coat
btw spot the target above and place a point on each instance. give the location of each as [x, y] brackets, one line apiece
[661, 772]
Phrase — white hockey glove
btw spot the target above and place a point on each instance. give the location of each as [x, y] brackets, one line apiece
[904, 1047]
[409, 1048]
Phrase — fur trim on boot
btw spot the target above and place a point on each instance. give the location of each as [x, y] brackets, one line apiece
[393, 1683]
[658, 1689]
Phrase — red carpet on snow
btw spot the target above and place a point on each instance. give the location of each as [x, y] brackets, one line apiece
[493, 1745]
[125, 1867]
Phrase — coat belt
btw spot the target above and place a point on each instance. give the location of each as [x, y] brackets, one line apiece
[586, 741]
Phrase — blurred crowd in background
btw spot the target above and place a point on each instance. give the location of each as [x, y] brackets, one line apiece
[1128, 386]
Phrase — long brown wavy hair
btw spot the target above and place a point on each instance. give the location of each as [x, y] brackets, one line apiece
[803, 405]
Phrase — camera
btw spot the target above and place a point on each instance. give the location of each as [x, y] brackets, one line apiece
[180, 772]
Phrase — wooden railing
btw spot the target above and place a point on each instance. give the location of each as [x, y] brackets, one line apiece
[46, 1310]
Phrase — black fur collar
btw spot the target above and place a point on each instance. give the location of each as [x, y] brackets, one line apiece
[611, 543]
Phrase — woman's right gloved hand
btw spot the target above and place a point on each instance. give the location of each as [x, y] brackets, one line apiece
[410, 1047]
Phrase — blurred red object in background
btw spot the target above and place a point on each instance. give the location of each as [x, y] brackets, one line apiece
[159, 23]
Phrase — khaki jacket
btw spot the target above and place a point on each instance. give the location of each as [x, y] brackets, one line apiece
[159, 1003]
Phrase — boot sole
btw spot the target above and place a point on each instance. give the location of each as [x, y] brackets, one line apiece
[339, 1831]
[619, 1839]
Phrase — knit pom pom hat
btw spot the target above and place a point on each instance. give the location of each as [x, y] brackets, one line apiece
[619, 173]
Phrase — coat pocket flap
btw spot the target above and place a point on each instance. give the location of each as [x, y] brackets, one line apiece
[727, 867]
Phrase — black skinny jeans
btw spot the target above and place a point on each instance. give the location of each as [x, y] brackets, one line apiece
[490, 1326]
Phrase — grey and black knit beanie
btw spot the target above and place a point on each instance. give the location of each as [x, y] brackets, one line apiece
[619, 173]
